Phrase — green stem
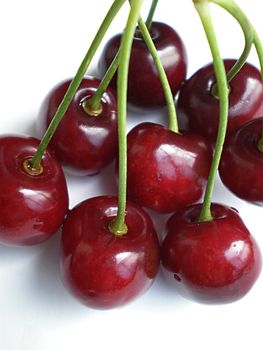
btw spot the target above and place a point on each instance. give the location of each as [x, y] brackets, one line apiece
[203, 10]
[118, 226]
[231, 7]
[259, 49]
[95, 101]
[114, 9]
[173, 124]
[149, 19]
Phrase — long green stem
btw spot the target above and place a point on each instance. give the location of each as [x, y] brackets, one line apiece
[149, 19]
[203, 10]
[118, 226]
[259, 49]
[173, 124]
[95, 101]
[231, 7]
[114, 9]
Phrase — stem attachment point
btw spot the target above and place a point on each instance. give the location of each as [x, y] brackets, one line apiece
[215, 93]
[117, 229]
[88, 108]
[260, 145]
[29, 168]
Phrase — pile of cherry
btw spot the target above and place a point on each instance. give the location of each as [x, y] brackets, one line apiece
[211, 261]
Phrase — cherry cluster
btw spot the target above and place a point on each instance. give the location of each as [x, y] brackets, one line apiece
[110, 251]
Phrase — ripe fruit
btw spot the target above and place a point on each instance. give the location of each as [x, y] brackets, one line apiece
[32, 207]
[216, 261]
[84, 144]
[101, 269]
[166, 170]
[144, 86]
[198, 109]
[241, 164]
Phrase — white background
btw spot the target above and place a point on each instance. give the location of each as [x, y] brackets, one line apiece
[43, 42]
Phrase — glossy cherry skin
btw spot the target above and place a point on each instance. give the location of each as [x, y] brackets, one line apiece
[198, 109]
[166, 170]
[32, 207]
[84, 144]
[211, 262]
[144, 86]
[103, 270]
[241, 165]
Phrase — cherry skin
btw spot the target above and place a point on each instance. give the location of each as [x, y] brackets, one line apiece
[103, 270]
[241, 164]
[166, 170]
[32, 207]
[144, 86]
[84, 144]
[198, 109]
[211, 262]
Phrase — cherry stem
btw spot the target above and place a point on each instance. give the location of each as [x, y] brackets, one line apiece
[259, 49]
[114, 9]
[149, 19]
[173, 124]
[95, 101]
[231, 7]
[203, 10]
[118, 226]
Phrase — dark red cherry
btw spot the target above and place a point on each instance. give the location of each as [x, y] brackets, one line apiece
[198, 109]
[211, 262]
[32, 207]
[166, 170]
[241, 166]
[84, 144]
[144, 86]
[103, 270]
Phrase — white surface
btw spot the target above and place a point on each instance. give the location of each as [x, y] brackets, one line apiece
[42, 42]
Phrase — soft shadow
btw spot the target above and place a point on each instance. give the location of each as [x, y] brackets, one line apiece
[48, 287]
[22, 128]
[107, 183]
[160, 295]
[83, 187]
[28, 128]
[31, 129]
[14, 255]
[159, 222]
[158, 116]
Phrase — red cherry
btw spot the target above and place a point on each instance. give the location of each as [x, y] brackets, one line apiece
[166, 170]
[32, 207]
[198, 109]
[144, 86]
[84, 144]
[241, 166]
[212, 262]
[101, 269]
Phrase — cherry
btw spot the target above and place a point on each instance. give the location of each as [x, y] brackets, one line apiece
[33, 203]
[84, 142]
[242, 162]
[198, 109]
[216, 261]
[166, 170]
[101, 269]
[144, 86]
